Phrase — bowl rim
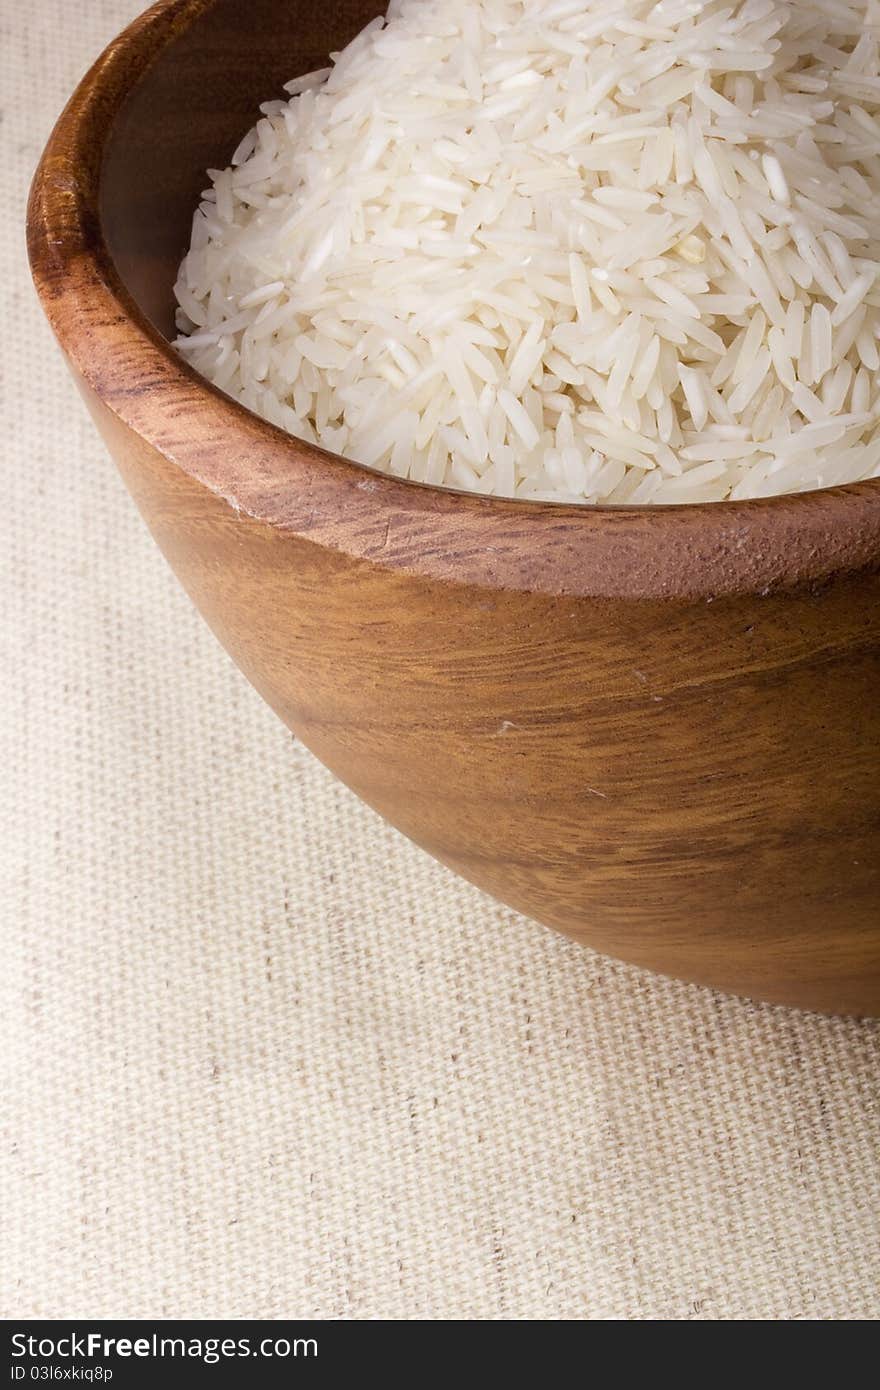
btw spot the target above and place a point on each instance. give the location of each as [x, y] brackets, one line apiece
[688, 551]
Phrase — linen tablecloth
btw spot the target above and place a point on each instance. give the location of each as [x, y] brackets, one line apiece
[261, 1056]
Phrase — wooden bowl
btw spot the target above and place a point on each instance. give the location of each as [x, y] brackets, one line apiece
[656, 730]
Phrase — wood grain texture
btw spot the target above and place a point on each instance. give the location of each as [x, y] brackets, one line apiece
[658, 731]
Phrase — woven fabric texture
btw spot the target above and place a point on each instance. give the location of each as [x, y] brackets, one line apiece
[261, 1056]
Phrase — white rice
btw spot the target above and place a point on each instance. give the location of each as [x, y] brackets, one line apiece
[577, 250]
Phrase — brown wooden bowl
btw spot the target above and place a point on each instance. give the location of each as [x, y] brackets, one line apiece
[656, 730]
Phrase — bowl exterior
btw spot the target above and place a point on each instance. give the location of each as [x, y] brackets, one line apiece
[657, 730]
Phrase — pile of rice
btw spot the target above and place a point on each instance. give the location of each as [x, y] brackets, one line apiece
[574, 250]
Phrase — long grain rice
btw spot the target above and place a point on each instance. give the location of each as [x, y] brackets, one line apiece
[603, 251]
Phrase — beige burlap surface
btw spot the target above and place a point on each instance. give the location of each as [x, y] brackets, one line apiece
[262, 1057]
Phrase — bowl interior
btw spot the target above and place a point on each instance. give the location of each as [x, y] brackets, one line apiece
[109, 220]
[187, 113]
